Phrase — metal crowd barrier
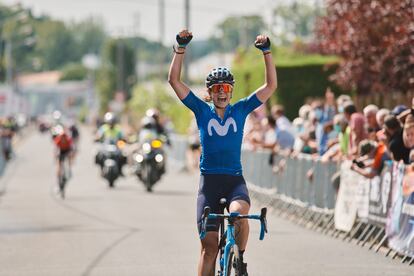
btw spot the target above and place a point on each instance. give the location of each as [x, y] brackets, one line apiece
[287, 178]
[300, 189]
[2, 169]
[177, 150]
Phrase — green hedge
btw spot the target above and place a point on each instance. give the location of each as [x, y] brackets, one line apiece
[73, 72]
[296, 84]
[299, 77]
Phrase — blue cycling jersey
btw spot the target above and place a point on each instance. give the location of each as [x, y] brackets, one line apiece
[221, 139]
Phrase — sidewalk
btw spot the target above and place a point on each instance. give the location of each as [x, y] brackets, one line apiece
[6, 167]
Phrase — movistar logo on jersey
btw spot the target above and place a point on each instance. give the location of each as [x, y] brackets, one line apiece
[221, 130]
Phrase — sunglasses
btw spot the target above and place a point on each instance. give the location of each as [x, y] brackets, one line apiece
[216, 88]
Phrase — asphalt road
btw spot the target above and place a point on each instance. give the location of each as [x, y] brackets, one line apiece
[127, 231]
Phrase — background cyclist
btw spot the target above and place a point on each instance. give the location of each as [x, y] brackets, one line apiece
[63, 143]
[221, 131]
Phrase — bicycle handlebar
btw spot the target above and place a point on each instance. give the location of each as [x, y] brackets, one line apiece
[261, 217]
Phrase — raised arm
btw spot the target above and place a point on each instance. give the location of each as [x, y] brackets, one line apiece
[174, 75]
[268, 88]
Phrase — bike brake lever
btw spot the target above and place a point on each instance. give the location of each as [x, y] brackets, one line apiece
[263, 224]
[204, 222]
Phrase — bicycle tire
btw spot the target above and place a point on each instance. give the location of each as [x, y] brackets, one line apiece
[233, 263]
[62, 183]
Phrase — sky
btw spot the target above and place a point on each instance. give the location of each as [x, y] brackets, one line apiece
[131, 17]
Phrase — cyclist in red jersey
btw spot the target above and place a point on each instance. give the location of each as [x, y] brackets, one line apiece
[64, 145]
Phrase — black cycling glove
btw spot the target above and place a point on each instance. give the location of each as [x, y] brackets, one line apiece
[263, 46]
[183, 41]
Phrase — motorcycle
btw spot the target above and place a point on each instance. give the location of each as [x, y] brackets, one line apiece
[149, 162]
[110, 158]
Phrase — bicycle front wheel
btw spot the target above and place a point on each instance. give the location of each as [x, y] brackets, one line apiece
[233, 267]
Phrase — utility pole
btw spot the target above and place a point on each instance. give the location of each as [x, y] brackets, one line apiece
[188, 56]
[162, 34]
[120, 66]
[137, 23]
[9, 62]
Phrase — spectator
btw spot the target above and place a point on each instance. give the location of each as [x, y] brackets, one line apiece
[282, 122]
[357, 132]
[254, 132]
[370, 112]
[269, 136]
[401, 112]
[304, 112]
[250, 128]
[373, 153]
[408, 132]
[299, 128]
[284, 129]
[349, 109]
[342, 101]
[329, 108]
[381, 114]
[398, 110]
[394, 133]
[380, 117]
[338, 145]
[284, 139]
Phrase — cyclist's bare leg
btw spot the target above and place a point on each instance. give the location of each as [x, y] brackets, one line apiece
[59, 168]
[242, 226]
[209, 250]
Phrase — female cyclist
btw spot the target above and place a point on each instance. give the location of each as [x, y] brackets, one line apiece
[221, 131]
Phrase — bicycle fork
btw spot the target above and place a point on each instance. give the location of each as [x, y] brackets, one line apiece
[230, 244]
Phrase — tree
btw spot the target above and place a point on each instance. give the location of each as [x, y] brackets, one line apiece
[89, 35]
[55, 44]
[117, 71]
[375, 41]
[157, 96]
[17, 37]
[73, 71]
[294, 21]
[238, 31]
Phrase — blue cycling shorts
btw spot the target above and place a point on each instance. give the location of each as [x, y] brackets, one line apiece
[212, 188]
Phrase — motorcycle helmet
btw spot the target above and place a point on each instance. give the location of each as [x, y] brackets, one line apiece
[148, 122]
[153, 112]
[109, 118]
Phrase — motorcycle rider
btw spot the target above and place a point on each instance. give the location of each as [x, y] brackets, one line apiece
[110, 133]
[148, 130]
[151, 129]
[8, 130]
[156, 124]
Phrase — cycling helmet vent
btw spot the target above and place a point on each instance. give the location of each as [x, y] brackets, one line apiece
[219, 75]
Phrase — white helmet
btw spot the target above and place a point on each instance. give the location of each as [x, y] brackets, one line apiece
[56, 115]
[109, 118]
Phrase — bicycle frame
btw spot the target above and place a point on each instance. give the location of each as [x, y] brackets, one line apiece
[230, 242]
[229, 232]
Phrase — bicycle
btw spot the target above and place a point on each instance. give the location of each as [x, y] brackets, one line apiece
[64, 176]
[229, 252]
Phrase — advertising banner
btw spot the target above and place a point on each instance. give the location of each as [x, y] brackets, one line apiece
[393, 218]
[379, 196]
[346, 203]
[362, 197]
[402, 239]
